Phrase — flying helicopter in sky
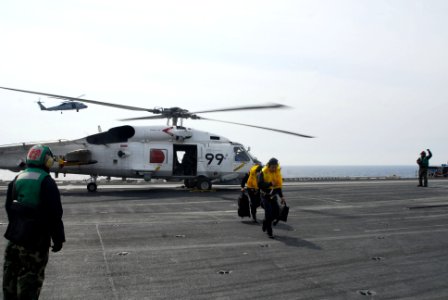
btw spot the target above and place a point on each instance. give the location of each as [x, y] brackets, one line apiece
[171, 152]
[66, 105]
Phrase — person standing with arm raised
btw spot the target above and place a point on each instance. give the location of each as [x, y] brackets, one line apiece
[423, 163]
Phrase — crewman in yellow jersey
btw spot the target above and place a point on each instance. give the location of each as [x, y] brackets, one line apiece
[250, 183]
[270, 183]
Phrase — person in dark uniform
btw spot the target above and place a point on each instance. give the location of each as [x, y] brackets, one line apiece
[250, 183]
[270, 182]
[423, 163]
[33, 206]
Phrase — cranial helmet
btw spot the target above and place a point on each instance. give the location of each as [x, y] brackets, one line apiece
[273, 161]
[37, 155]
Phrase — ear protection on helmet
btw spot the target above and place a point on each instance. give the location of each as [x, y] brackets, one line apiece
[49, 162]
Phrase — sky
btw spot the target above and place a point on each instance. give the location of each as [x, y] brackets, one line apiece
[366, 78]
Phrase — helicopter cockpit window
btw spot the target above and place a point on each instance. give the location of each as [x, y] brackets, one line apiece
[241, 154]
[114, 135]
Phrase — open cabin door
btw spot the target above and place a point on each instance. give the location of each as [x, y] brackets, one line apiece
[185, 160]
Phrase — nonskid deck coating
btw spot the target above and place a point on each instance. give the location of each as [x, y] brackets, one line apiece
[343, 240]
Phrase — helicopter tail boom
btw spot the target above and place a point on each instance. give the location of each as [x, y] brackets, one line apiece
[42, 107]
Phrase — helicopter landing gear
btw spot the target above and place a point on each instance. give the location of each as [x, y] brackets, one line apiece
[190, 183]
[92, 186]
[204, 183]
[201, 183]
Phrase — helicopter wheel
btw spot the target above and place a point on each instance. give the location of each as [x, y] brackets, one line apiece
[204, 183]
[189, 183]
[91, 187]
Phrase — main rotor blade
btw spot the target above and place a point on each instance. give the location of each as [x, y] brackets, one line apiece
[85, 100]
[144, 118]
[266, 106]
[260, 127]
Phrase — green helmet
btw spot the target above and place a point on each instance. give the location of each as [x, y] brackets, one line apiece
[36, 155]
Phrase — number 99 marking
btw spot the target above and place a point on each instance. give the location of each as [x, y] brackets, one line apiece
[210, 157]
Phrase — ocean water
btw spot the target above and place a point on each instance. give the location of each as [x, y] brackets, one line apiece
[349, 171]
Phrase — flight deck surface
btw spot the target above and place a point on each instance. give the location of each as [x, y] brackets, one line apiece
[343, 240]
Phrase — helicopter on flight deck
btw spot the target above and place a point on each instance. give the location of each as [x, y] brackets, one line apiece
[171, 152]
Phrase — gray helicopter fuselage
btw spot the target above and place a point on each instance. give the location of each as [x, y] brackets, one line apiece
[68, 105]
[142, 152]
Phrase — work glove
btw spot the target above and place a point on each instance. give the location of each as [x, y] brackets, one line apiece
[56, 247]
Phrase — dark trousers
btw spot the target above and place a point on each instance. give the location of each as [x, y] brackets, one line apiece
[254, 197]
[271, 211]
[423, 176]
[23, 272]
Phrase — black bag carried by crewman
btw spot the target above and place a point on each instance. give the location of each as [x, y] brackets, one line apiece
[243, 205]
[283, 214]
